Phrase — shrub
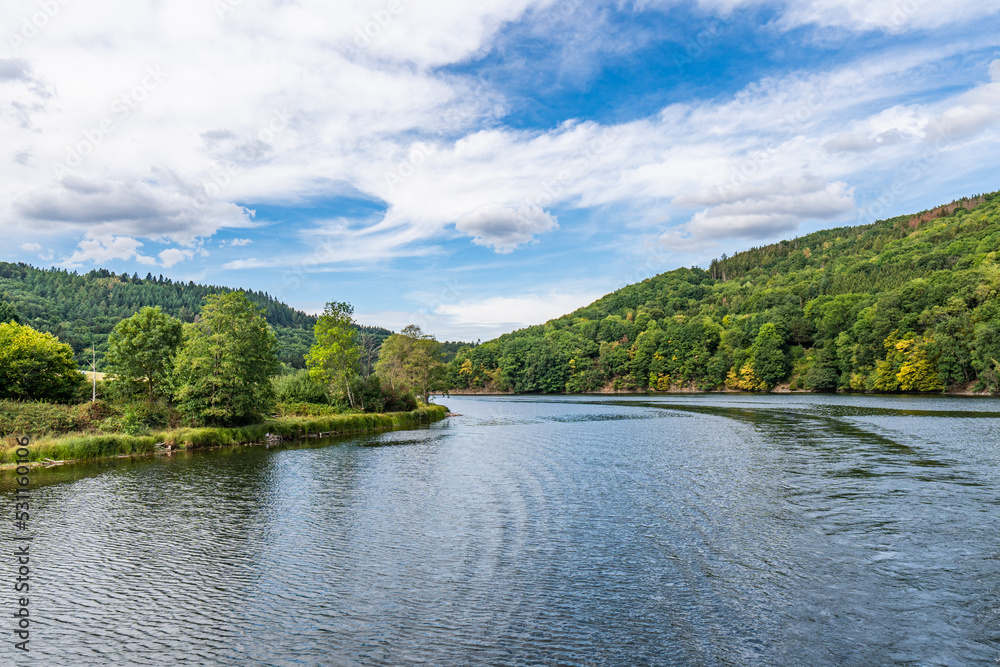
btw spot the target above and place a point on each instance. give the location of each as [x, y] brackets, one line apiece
[299, 387]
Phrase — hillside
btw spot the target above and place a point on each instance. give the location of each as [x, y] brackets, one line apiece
[905, 304]
[83, 309]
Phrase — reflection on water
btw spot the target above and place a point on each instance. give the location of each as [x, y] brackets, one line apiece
[695, 529]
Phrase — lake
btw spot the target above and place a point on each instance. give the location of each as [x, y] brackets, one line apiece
[701, 529]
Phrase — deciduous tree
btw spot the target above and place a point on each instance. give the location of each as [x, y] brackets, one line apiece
[141, 351]
[36, 366]
[223, 370]
[334, 358]
[410, 361]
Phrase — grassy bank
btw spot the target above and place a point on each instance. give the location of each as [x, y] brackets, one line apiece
[94, 446]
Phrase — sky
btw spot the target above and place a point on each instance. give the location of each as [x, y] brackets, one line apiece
[475, 168]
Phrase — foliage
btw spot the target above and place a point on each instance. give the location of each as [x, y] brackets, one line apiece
[82, 310]
[8, 313]
[299, 387]
[834, 298]
[410, 362]
[335, 357]
[92, 446]
[223, 370]
[36, 366]
[35, 418]
[141, 352]
[767, 357]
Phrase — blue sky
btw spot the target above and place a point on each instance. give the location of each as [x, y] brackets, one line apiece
[480, 168]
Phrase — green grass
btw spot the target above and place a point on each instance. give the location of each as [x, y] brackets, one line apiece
[83, 446]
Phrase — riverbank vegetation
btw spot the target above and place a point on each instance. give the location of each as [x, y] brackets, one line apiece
[906, 304]
[216, 380]
[92, 445]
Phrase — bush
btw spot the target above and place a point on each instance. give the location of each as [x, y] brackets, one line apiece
[36, 366]
[305, 410]
[31, 418]
[299, 387]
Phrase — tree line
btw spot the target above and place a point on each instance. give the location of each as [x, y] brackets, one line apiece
[83, 309]
[223, 368]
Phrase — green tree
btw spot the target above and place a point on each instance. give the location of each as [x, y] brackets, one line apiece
[36, 366]
[823, 375]
[223, 370]
[767, 356]
[8, 313]
[410, 361]
[334, 358]
[141, 351]
[918, 371]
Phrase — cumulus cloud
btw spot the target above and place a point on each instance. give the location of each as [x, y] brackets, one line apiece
[380, 117]
[14, 69]
[962, 121]
[163, 207]
[504, 313]
[31, 247]
[503, 228]
[763, 210]
[172, 256]
[854, 142]
[98, 251]
[236, 243]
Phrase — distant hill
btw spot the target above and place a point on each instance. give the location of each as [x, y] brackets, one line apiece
[905, 304]
[82, 309]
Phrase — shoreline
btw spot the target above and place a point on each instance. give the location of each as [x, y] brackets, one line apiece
[776, 390]
[84, 447]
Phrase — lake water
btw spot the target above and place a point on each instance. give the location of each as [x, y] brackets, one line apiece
[588, 530]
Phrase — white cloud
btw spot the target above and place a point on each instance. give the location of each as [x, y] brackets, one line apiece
[309, 112]
[236, 243]
[773, 211]
[495, 315]
[995, 71]
[98, 251]
[861, 15]
[31, 247]
[158, 207]
[172, 256]
[504, 228]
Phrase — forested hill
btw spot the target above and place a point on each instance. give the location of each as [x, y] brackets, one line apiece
[83, 309]
[905, 304]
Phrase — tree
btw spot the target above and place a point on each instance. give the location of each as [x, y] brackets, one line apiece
[223, 370]
[36, 366]
[369, 352]
[918, 371]
[767, 356]
[823, 375]
[334, 358]
[8, 313]
[410, 361]
[141, 351]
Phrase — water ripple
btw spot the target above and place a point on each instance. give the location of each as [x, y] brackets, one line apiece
[693, 530]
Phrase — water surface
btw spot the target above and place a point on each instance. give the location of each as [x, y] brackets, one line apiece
[681, 530]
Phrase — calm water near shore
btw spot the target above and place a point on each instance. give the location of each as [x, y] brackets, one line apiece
[697, 529]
